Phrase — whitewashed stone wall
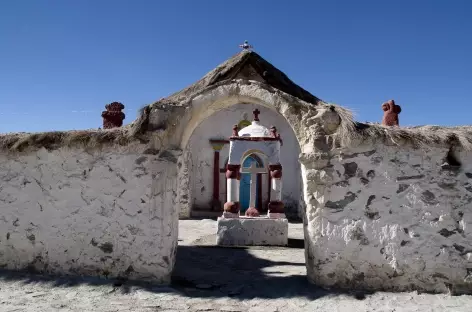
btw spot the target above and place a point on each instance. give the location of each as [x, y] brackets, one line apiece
[393, 219]
[109, 213]
[219, 125]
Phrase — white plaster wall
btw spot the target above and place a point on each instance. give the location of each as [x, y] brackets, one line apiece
[394, 219]
[219, 125]
[108, 213]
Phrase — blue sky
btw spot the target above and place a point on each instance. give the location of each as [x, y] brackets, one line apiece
[62, 61]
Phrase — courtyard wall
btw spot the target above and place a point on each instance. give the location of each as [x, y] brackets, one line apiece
[392, 218]
[106, 212]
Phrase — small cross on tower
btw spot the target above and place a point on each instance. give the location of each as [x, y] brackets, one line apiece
[256, 113]
[245, 45]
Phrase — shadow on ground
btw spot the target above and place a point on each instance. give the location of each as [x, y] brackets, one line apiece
[208, 272]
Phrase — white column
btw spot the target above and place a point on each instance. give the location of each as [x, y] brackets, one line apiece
[276, 206]
[276, 190]
[231, 207]
[233, 190]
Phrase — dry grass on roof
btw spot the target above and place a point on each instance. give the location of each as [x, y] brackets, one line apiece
[417, 137]
[349, 132]
[19, 142]
[352, 131]
[231, 68]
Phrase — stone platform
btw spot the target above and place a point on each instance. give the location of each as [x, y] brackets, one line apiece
[245, 231]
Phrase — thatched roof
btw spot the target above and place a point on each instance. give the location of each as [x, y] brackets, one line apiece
[246, 64]
[418, 137]
[19, 142]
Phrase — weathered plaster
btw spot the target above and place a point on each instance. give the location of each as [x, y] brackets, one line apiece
[392, 218]
[108, 212]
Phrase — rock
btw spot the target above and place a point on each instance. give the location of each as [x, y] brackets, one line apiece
[252, 231]
[252, 212]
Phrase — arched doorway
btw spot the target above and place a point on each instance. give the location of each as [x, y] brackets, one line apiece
[205, 163]
[245, 184]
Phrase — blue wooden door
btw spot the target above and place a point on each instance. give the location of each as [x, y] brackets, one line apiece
[245, 184]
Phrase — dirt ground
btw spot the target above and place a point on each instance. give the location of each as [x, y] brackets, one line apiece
[208, 278]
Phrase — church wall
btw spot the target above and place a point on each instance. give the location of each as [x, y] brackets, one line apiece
[108, 212]
[394, 219]
[219, 125]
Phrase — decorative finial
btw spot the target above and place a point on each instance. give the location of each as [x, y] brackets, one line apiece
[235, 131]
[273, 132]
[245, 45]
[113, 116]
[256, 113]
[391, 111]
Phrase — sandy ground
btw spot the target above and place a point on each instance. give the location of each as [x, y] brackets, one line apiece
[208, 278]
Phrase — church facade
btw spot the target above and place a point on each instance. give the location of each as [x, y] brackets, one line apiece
[205, 136]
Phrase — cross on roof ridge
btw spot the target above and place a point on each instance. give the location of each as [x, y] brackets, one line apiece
[245, 45]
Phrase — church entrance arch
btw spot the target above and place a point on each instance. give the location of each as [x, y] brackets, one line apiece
[195, 119]
[204, 164]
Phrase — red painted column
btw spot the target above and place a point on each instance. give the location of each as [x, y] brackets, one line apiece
[226, 184]
[216, 203]
[216, 181]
